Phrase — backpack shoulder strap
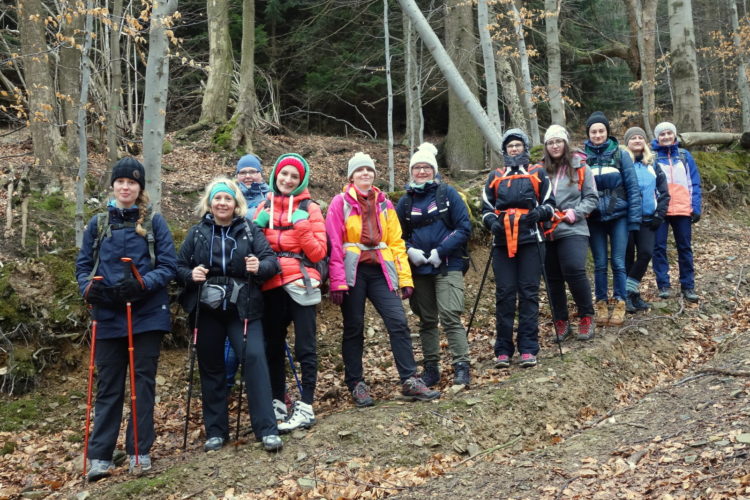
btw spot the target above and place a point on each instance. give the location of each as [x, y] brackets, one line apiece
[103, 230]
[443, 205]
[148, 225]
[581, 176]
[683, 156]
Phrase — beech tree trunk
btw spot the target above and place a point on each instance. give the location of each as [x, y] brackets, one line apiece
[452, 76]
[554, 64]
[464, 147]
[412, 87]
[83, 154]
[216, 96]
[687, 99]
[114, 107]
[155, 97]
[526, 97]
[690, 139]
[488, 55]
[244, 113]
[69, 74]
[642, 19]
[742, 64]
[389, 85]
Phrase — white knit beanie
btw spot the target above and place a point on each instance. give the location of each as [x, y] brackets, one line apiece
[425, 154]
[664, 126]
[359, 159]
[556, 132]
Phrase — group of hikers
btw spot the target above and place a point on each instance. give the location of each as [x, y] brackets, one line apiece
[256, 260]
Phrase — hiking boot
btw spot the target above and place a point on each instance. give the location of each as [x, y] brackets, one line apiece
[690, 295]
[272, 442]
[279, 409]
[527, 360]
[415, 388]
[361, 395]
[618, 313]
[601, 309]
[502, 361]
[99, 469]
[431, 374]
[213, 444]
[586, 328]
[144, 463]
[461, 373]
[639, 303]
[664, 292]
[302, 418]
[562, 329]
[629, 306]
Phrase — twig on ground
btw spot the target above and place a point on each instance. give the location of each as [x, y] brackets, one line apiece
[689, 379]
[489, 450]
[721, 371]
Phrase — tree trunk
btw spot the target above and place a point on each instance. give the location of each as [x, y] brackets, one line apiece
[244, 113]
[488, 55]
[691, 139]
[510, 92]
[452, 76]
[389, 85]
[69, 76]
[464, 147]
[412, 87]
[155, 98]
[114, 106]
[526, 96]
[49, 154]
[554, 65]
[687, 99]
[742, 65]
[83, 156]
[216, 96]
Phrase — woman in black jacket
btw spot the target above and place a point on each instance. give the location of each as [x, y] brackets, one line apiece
[222, 263]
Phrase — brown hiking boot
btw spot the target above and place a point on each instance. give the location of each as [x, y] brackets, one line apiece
[618, 313]
[601, 309]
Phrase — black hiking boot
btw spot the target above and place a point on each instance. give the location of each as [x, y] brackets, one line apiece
[690, 295]
[630, 303]
[431, 374]
[639, 303]
[461, 373]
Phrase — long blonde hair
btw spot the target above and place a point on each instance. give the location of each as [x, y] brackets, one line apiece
[204, 204]
[648, 155]
[143, 201]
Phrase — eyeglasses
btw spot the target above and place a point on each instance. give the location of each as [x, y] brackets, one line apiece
[247, 173]
[421, 168]
[555, 142]
[514, 145]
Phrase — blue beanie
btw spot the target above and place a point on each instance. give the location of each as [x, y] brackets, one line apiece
[249, 161]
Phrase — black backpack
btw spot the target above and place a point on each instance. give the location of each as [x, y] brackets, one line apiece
[104, 230]
[443, 213]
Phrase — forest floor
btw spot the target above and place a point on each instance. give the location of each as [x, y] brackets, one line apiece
[657, 408]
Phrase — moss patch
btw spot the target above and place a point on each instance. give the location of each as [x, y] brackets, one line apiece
[725, 176]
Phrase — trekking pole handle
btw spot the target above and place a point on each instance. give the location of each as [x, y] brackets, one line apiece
[129, 262]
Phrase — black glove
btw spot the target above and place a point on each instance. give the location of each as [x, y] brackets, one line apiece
[656, 222]
[130, 290]
[695, 217]
[99, 294]
[497, 227]
[539, 213]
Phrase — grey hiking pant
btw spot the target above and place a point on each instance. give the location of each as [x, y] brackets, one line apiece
[440, 298]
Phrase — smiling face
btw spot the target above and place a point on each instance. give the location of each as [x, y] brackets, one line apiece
[126, 191]
[555, 148]
[222, 208]
[666, 138]
[422, 172]
[248, 175]
[637, 144]
[598, 134]
[287, 180]
[363, 178]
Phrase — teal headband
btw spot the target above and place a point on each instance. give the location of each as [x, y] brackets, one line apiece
[222, 187]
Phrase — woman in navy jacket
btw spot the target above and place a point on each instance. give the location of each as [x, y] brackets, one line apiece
[126, 236]
[618, 212]
[222, 263]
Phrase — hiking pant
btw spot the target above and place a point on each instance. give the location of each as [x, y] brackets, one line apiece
[517, 277]
[112, 361]
[371, 284]
[614, 232]
[565, 262]
[280, 310]
[682, 229]
[642, 243]
[213, 327]
[440, 297]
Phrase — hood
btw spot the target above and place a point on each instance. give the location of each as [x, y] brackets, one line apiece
[295, 160]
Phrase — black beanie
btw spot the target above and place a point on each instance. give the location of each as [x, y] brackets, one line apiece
[129, 168]
[597, 117]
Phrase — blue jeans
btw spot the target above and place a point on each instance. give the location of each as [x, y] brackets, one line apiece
[683, 239]
[617, 233]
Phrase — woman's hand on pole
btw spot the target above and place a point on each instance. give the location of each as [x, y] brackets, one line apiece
[199, 274]
[252, 264]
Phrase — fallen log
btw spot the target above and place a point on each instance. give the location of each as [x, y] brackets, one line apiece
[690, 139]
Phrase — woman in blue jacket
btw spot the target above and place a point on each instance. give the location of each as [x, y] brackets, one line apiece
[436, 228]
[618, 212]
[128, 219]
[655, 199]
[222, 263]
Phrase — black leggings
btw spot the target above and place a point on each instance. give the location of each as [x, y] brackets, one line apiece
[565, 262]
[642, 242]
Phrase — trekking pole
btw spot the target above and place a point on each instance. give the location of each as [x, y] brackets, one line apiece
[193, 354]
[479, 293]
[540, 250]
[134, 408]
[242, 380]
[92, 357]
[291, 365]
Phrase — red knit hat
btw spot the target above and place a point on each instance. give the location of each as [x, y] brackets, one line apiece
[292, 160]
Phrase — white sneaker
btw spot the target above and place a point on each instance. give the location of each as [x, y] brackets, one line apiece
[302, 418]
[279, 409]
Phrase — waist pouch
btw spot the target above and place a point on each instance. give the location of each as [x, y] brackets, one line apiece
[217, 291]
[303, 295]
